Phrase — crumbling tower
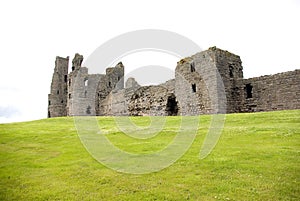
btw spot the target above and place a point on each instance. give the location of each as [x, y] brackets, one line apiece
[201, 78]
[82, 89]
[57, 99]
[76, 68]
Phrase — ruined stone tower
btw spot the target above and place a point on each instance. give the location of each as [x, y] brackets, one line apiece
[82, 89]
[58, 97]
[79, 92]
[200, 79]
[208, 82]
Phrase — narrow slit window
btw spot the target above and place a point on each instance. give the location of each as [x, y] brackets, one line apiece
[194, 88]
[192, 67]
[230, 71]
[86, 82]
[66, 78]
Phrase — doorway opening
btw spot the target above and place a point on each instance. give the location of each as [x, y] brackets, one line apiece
[172, 107]
[248, 89]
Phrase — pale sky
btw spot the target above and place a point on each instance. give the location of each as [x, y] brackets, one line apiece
[264, 33]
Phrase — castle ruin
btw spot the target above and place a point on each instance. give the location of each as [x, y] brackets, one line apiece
[193, 91]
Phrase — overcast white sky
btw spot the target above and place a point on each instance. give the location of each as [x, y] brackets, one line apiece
[32, 33]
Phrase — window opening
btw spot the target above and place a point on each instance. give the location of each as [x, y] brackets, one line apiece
[192, 67]
[249, 90]
[194, 88]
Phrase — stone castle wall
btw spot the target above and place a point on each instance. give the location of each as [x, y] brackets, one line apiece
[112, 80]
[114, 104]
[231, 71]
[190, 89]
[272, 92]
[207, 82]
[136, 100]
[148, 101]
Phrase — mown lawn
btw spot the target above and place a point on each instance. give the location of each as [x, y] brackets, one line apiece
[256, 158]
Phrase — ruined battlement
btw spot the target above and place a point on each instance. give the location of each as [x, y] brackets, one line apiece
[194, 90]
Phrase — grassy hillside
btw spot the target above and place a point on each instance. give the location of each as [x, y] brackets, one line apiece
[256, 158]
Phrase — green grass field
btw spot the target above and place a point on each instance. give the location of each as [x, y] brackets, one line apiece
[256, 158]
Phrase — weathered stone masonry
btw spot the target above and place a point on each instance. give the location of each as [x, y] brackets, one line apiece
[272, 92]
[57, 99]
[195, 89]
